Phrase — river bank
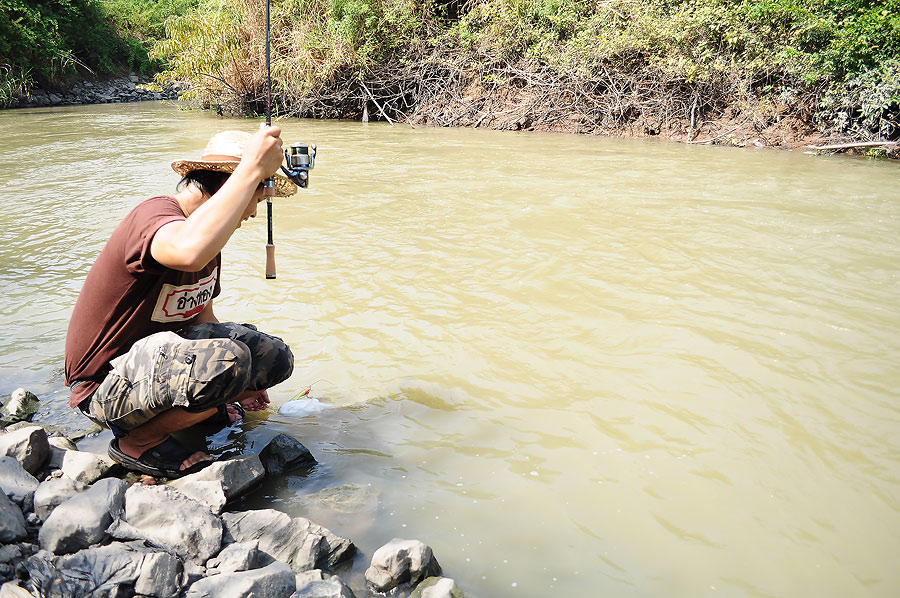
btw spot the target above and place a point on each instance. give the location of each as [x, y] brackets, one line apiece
[530, 99]
[130, 88]
[74, 523]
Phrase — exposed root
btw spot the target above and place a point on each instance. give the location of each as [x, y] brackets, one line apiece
[456, 89]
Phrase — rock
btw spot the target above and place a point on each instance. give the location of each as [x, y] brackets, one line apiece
[18, 426]
[298, 542]
[173, 520]
[313, 584]
[114, 570]
[160, 575]
[28, 445]
[285, 454]
[21, 406]
[273, 581]
[83, 519]
[10, 553]
[11, 589]
[437, 587]
[53, 492]
[207, 492]
[193, 573]
[58, 447]
[242, 556]
[85, 467]
[400, 562]
[18, 484]
[12, 522]
[90, 429]
[54, 99]
[236, 475]
[308, 577]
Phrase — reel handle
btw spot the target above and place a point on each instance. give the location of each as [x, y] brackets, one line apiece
[269, 193]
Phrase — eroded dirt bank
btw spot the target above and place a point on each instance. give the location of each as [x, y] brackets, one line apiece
[524, 95]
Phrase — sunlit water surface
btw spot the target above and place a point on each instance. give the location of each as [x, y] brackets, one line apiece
[572, 366]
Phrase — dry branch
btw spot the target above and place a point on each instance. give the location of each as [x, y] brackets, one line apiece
[840, 146]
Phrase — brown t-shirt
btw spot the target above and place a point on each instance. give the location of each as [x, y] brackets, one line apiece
[128, 295]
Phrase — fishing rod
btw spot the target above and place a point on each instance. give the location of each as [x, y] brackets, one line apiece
[269, 185]
[300, 158]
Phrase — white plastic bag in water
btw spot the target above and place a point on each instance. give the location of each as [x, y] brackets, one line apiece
[301, 407]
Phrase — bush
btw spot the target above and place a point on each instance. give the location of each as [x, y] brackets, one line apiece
[746, 52]
[141, 24]
[866, 106]
[220, 49]
[50, 39]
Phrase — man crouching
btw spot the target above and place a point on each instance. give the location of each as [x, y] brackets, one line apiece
[145, 355]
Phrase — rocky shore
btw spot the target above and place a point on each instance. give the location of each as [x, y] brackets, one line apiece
[132, 88]
[75, 524]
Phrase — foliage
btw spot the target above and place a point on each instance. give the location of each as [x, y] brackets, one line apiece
[827, 47]
[44, 42]
[866, 106]
[841, 56]
[48, 39]
[145, 19]
[220, 47]
[141, 24]
[13, 83]
[214, 47]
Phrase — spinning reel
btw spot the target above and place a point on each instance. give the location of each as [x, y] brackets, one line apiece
[300, 159]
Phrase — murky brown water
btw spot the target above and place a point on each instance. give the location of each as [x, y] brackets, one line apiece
[573, 366]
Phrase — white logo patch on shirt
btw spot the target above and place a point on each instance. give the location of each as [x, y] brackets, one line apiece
[180, 303]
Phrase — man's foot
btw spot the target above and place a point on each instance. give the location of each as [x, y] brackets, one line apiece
[159, 459]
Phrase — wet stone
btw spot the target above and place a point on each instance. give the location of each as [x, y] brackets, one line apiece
[437, 587]
[272, 581]
[12, 522]
[236, 476]
[53, 492]
[27, 445]
[83, 519]
[241, 556]
[173, 520]
[313, 584]
[208, 492]
[401, 562]
[285, 454]
[299, 542]
[58, 447]
[21, 406]
[18, 484]
[85, 467]
[114, 570]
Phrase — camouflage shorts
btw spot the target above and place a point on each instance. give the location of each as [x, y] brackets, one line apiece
[196, 368]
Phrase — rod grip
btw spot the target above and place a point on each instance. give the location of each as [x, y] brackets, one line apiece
[270, 260]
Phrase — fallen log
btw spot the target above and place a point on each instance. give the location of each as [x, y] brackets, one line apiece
[841, 146]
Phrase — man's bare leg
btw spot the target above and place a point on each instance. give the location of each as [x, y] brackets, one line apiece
[156, 430]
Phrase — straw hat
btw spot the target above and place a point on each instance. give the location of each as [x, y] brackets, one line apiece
[223, 154]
